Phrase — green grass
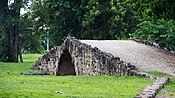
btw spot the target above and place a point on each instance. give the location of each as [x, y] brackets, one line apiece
[12, 84]
[169, 89]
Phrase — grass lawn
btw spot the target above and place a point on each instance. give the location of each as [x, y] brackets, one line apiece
[12, 84]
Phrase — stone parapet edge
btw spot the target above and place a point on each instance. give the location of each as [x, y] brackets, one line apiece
[154, 44]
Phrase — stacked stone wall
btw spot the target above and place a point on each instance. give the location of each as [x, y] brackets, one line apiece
[48, 62]
[151, 90]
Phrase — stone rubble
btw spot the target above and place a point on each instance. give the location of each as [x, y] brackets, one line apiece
[142, 74]
[151, 90]
[32, 73]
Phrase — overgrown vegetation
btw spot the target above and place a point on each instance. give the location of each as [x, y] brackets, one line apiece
[161, 31]
[107, 19]
[53, 20]
[156, 22]
[12, 84]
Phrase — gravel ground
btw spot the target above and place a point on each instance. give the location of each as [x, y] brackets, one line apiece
[144, 57]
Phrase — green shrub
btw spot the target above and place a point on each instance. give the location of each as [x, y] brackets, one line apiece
[161, 31]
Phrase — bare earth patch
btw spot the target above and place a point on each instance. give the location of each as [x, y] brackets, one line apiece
[144, 57]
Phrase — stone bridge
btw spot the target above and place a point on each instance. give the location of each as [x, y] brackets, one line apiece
[76, 58]
[82, 57]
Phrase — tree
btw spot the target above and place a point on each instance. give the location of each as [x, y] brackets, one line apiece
[3, 35]
[100, 19]
[157, 21]
[28, 39]
[59, 18]
[156, 8]
[93, 19]
[10, 27]
[108, 19]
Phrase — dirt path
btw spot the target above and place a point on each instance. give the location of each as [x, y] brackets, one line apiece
[144, 57]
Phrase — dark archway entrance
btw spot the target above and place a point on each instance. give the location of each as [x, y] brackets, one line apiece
[66, 67]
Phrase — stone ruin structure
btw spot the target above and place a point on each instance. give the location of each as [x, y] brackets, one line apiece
[76, 58]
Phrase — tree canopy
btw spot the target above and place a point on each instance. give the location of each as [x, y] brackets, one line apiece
[86, 19]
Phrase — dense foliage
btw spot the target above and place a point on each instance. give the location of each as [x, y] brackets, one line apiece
[53, 20]
[157, 22]
[29, 40]
[161, 31]
[92, 19]
[106, 19]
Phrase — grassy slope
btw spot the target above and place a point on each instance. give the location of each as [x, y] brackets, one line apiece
[12, 84]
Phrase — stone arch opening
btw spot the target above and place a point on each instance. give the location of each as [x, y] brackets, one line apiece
[66, 67]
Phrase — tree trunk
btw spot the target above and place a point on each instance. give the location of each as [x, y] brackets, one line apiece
[13, 42]
[11, 26]
[20, 54]
[14, 29]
